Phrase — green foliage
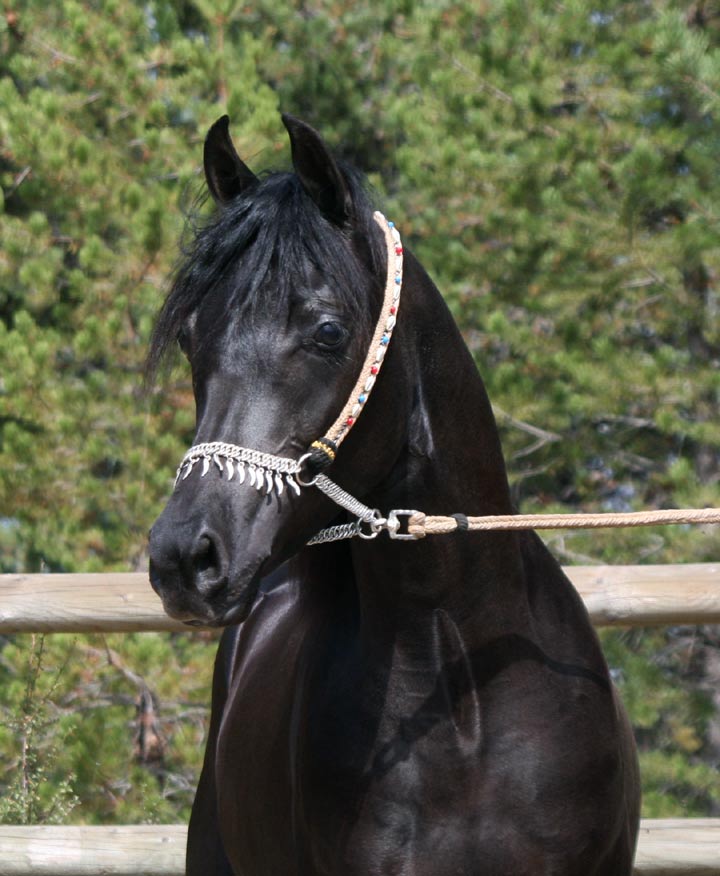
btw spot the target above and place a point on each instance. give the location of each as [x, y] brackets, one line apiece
[673, 785]
[37, 791]
[555, 166]
[657, 675]
[102, 729]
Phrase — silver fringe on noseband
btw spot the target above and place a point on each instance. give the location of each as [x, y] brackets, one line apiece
[265, 472]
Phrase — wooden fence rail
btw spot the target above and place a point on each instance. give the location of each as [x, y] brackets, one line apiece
[667, 847]
[124, 601]
[614, 595]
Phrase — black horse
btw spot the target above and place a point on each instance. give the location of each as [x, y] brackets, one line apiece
[418, 708]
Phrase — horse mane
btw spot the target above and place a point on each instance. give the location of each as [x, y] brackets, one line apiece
[274, 231]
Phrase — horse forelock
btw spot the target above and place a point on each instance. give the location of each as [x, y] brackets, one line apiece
[267, 243]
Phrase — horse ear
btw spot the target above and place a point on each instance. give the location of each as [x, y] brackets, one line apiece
[319, 174]
[226, 173]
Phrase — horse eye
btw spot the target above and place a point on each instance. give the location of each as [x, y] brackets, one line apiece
[329, 334]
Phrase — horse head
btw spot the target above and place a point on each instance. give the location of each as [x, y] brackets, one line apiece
[274, 308]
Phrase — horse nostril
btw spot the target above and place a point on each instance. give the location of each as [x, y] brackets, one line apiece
[187, 560]
[205, 556]
[207, 565]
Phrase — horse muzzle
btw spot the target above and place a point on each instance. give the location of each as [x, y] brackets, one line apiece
[193, 571]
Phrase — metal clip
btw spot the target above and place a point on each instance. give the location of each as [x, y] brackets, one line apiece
[376, 523]
[392, 524]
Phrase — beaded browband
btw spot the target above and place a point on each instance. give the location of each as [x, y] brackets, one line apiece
[269, 473]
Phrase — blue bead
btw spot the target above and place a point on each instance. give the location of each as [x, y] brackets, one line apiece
[398, 280]
[362, 399]
[385, 339]
[391, 224]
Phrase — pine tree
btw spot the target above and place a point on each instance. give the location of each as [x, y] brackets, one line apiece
[553, 165]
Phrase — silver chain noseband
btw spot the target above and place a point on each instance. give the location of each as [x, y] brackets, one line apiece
[264, 471]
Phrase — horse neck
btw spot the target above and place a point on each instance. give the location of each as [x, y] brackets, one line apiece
[451, 462]
[452, 432]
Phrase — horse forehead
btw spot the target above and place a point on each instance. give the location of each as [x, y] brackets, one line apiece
[253, 346]
[260, 320]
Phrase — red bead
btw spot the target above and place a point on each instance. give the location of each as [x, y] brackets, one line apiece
[393, 310]
[398, 250]
[374, 369]
[350, 421]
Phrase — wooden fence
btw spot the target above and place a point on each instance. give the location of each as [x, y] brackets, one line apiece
[614, 595]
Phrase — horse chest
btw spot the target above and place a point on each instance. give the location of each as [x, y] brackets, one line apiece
[316, 756]
[302, 798]
[313, 746]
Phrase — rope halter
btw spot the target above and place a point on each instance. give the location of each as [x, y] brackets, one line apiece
[268, 473]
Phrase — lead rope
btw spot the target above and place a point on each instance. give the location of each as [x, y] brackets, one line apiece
[420, 525]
